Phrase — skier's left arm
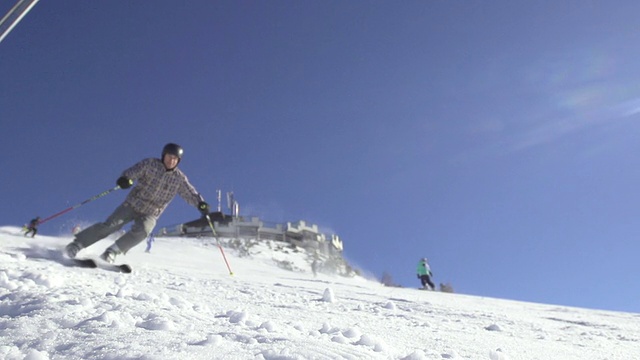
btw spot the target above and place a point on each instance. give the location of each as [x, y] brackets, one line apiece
[193, 197]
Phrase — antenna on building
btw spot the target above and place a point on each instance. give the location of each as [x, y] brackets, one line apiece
[230, 200]
[236, 208]
[232, 204]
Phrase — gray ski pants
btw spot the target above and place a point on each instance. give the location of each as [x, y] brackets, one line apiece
[122, 215]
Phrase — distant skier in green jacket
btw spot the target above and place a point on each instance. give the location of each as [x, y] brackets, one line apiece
[424, 274]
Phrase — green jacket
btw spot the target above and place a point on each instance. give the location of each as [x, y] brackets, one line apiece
[423, 268]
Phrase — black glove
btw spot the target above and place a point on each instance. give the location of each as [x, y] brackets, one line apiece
[418, 275]
[203, 207]
[124, 183]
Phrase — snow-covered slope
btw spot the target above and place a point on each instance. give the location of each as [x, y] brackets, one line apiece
[182, 303]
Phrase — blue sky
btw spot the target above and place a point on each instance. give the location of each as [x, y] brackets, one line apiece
[497, 139]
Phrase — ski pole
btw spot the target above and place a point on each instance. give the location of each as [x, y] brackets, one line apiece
[218, 241]
[80, 204]
[13, 17]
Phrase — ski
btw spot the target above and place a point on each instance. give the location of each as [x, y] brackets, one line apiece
[84, 263]
[93, 264]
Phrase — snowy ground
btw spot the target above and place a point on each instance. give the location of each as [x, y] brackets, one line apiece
[182, 303]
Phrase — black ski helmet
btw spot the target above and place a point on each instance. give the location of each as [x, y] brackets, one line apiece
[172, 149]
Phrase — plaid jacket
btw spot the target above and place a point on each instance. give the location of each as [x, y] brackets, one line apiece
[156, 187]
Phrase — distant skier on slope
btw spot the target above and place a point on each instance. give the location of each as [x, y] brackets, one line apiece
[33, 227]
[158, 182]
[424, 274]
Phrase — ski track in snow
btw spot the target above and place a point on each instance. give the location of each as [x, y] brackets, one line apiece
[181, 303]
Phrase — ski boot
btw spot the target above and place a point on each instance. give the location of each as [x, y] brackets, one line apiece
[72, 249]
[109, 255]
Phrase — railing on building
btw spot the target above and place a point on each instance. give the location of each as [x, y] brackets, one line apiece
[299, 233]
